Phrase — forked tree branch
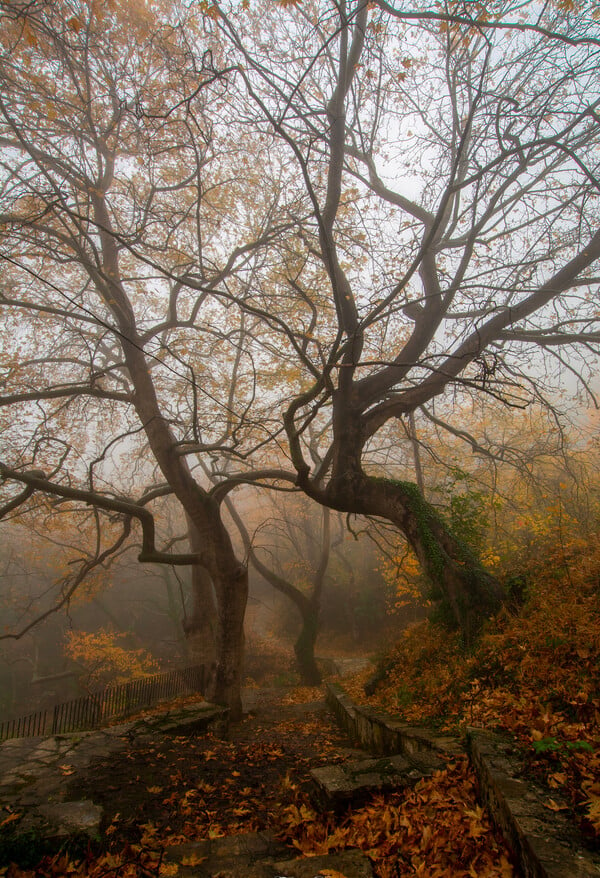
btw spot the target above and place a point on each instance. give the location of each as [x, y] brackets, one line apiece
[37, 481]
[85, 568]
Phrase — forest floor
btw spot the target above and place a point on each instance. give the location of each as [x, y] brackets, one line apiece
[533, 676]
[176, 790]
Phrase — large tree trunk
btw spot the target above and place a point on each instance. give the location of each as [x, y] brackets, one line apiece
[200, 626]
[467, 590]
[304, 647]
[232, 597]
[230, 581]
[310, 610]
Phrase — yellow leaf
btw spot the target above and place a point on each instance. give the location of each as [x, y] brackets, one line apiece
[10, 819]
[192, 860]
[554, 806]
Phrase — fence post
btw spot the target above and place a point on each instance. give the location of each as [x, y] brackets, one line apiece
[54, 719]
[90, 711]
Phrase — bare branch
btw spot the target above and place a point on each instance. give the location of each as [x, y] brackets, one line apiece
[37, 481]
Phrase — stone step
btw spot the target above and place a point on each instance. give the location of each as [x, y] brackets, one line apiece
[338, 784]
[259, 855]
[193, 719]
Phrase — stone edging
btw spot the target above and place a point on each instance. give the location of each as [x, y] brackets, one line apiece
[380, 733]
[544, 841]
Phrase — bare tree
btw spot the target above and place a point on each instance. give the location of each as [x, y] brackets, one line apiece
[310, 549]
[120, 368]
[253, 235]
[448, 172]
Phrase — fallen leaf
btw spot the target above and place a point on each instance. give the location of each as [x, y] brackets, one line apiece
[113, 825]
[192, 860]
[554, 806]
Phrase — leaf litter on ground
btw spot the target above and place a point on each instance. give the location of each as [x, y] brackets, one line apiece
[184, 789]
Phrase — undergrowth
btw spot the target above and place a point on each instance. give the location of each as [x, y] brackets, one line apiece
[534, 674]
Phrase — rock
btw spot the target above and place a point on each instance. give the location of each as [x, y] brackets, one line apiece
[72, 818]
[352, 781]
[45, 828]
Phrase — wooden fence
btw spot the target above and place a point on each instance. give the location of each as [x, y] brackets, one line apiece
[94, 710]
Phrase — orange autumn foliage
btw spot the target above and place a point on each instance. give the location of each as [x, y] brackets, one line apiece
[534, 674]
[436, 830]
[104, 659]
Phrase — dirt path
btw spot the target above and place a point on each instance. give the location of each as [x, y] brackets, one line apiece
[187, 788]
[180, 805]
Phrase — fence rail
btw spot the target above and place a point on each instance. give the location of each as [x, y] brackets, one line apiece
[94, 710]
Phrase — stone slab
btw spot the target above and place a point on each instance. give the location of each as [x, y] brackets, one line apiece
[259, 855]
[337, 784]
[193, 720]
[249, 854]
[350, 864]
[68, 818]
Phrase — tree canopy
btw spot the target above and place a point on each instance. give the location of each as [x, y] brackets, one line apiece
[244, 241]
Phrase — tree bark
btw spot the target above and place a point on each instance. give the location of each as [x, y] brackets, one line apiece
[200, 627]
[232, 594]
[304, 648]
[466, 590]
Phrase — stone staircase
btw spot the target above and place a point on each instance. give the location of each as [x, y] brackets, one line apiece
[353, 781]
[545, 844]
